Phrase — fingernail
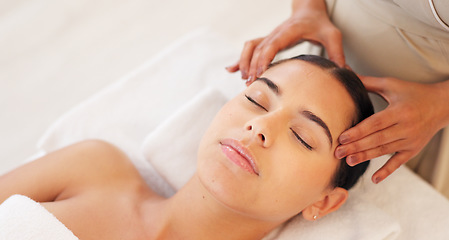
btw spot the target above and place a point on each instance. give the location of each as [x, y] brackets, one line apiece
[341, 153]
[259, 72]
[248, 81]
[344, 138]
[351, 160]
[377, 180]
[244, 74]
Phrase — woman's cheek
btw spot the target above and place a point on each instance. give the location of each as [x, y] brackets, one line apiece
[306, 174]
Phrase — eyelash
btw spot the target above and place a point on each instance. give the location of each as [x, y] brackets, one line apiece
[301, 140]
[296, 135]
[256, 103]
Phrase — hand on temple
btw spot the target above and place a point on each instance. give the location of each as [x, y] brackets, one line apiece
[414, 115]
[309, 21]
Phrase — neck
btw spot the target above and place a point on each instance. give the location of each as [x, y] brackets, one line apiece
[193, 213]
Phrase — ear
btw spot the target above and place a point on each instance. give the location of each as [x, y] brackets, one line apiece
[328, 203]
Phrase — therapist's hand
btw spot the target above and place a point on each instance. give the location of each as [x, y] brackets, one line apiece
[309, 21]
[414, 114]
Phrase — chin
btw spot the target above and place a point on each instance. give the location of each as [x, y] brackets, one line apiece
[239, 194]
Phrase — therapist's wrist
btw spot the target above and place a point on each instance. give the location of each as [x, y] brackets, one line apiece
[298, 6]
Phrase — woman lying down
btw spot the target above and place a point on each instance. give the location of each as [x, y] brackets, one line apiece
[267, 156]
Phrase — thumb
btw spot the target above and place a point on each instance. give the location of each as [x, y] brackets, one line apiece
[372, 84]
[375, 85]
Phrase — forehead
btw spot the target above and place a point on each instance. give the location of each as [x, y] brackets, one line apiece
[300, 72]
[309, 87]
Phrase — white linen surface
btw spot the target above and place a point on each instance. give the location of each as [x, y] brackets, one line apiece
[24, 219]
[127, 112]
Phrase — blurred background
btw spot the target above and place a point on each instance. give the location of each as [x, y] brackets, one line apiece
[55, 54]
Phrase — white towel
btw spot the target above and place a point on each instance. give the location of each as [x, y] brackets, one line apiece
[24, 219]
[172, 147]
[356, 219]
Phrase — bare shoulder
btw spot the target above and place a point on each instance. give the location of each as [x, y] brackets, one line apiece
[98, 163]
[99, 159]
[102, 181]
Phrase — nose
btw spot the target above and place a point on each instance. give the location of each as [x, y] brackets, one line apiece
[259, 135]
[262, 130]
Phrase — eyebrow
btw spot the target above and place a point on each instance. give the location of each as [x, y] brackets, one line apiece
[311, 116]
[308, 114]
[270, 84]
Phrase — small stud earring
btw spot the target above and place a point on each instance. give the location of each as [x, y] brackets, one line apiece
[314, 217]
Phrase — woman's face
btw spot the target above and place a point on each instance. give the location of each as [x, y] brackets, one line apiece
[269, 152]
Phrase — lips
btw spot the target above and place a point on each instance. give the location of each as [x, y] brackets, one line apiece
[240, 155]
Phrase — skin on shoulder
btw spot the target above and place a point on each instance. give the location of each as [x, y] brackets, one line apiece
[69, 171]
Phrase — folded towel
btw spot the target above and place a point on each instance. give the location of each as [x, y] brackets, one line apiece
[22, 218]
[172, 147]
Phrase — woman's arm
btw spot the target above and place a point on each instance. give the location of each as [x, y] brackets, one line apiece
[66, 172]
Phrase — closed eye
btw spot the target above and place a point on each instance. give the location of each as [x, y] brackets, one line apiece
[301, 140]
[256, 103]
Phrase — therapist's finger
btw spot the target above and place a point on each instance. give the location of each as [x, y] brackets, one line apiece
[390, 166]
[359, 157]
[266, 56]
[259, 56]
[271, 45]
[372, 124]
[252, 72]
[372, 141]
[247, 56]
[233, 68]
